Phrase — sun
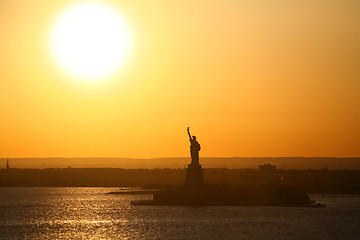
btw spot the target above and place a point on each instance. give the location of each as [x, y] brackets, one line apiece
[90, 41]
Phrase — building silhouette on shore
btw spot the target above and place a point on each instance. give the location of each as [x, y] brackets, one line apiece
[267, 167]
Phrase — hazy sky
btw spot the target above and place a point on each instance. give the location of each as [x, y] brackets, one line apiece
[250, 78]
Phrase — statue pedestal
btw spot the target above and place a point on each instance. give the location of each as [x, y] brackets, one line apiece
[194, 176]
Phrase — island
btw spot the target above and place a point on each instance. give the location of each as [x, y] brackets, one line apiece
[196, 192]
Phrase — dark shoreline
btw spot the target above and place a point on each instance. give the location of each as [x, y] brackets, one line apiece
[312, 181]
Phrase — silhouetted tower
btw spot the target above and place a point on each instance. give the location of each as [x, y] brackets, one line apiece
[7, 164]
[194, 172]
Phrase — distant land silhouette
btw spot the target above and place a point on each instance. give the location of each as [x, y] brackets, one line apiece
[330, 163]
[309, 181]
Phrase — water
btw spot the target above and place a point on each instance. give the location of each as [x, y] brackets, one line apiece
[88, 213]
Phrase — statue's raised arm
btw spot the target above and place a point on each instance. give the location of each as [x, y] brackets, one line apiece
[188, 130]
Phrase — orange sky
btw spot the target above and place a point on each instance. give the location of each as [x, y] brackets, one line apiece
[250, 78]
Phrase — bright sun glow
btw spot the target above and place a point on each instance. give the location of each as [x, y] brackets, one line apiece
[90, 40]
